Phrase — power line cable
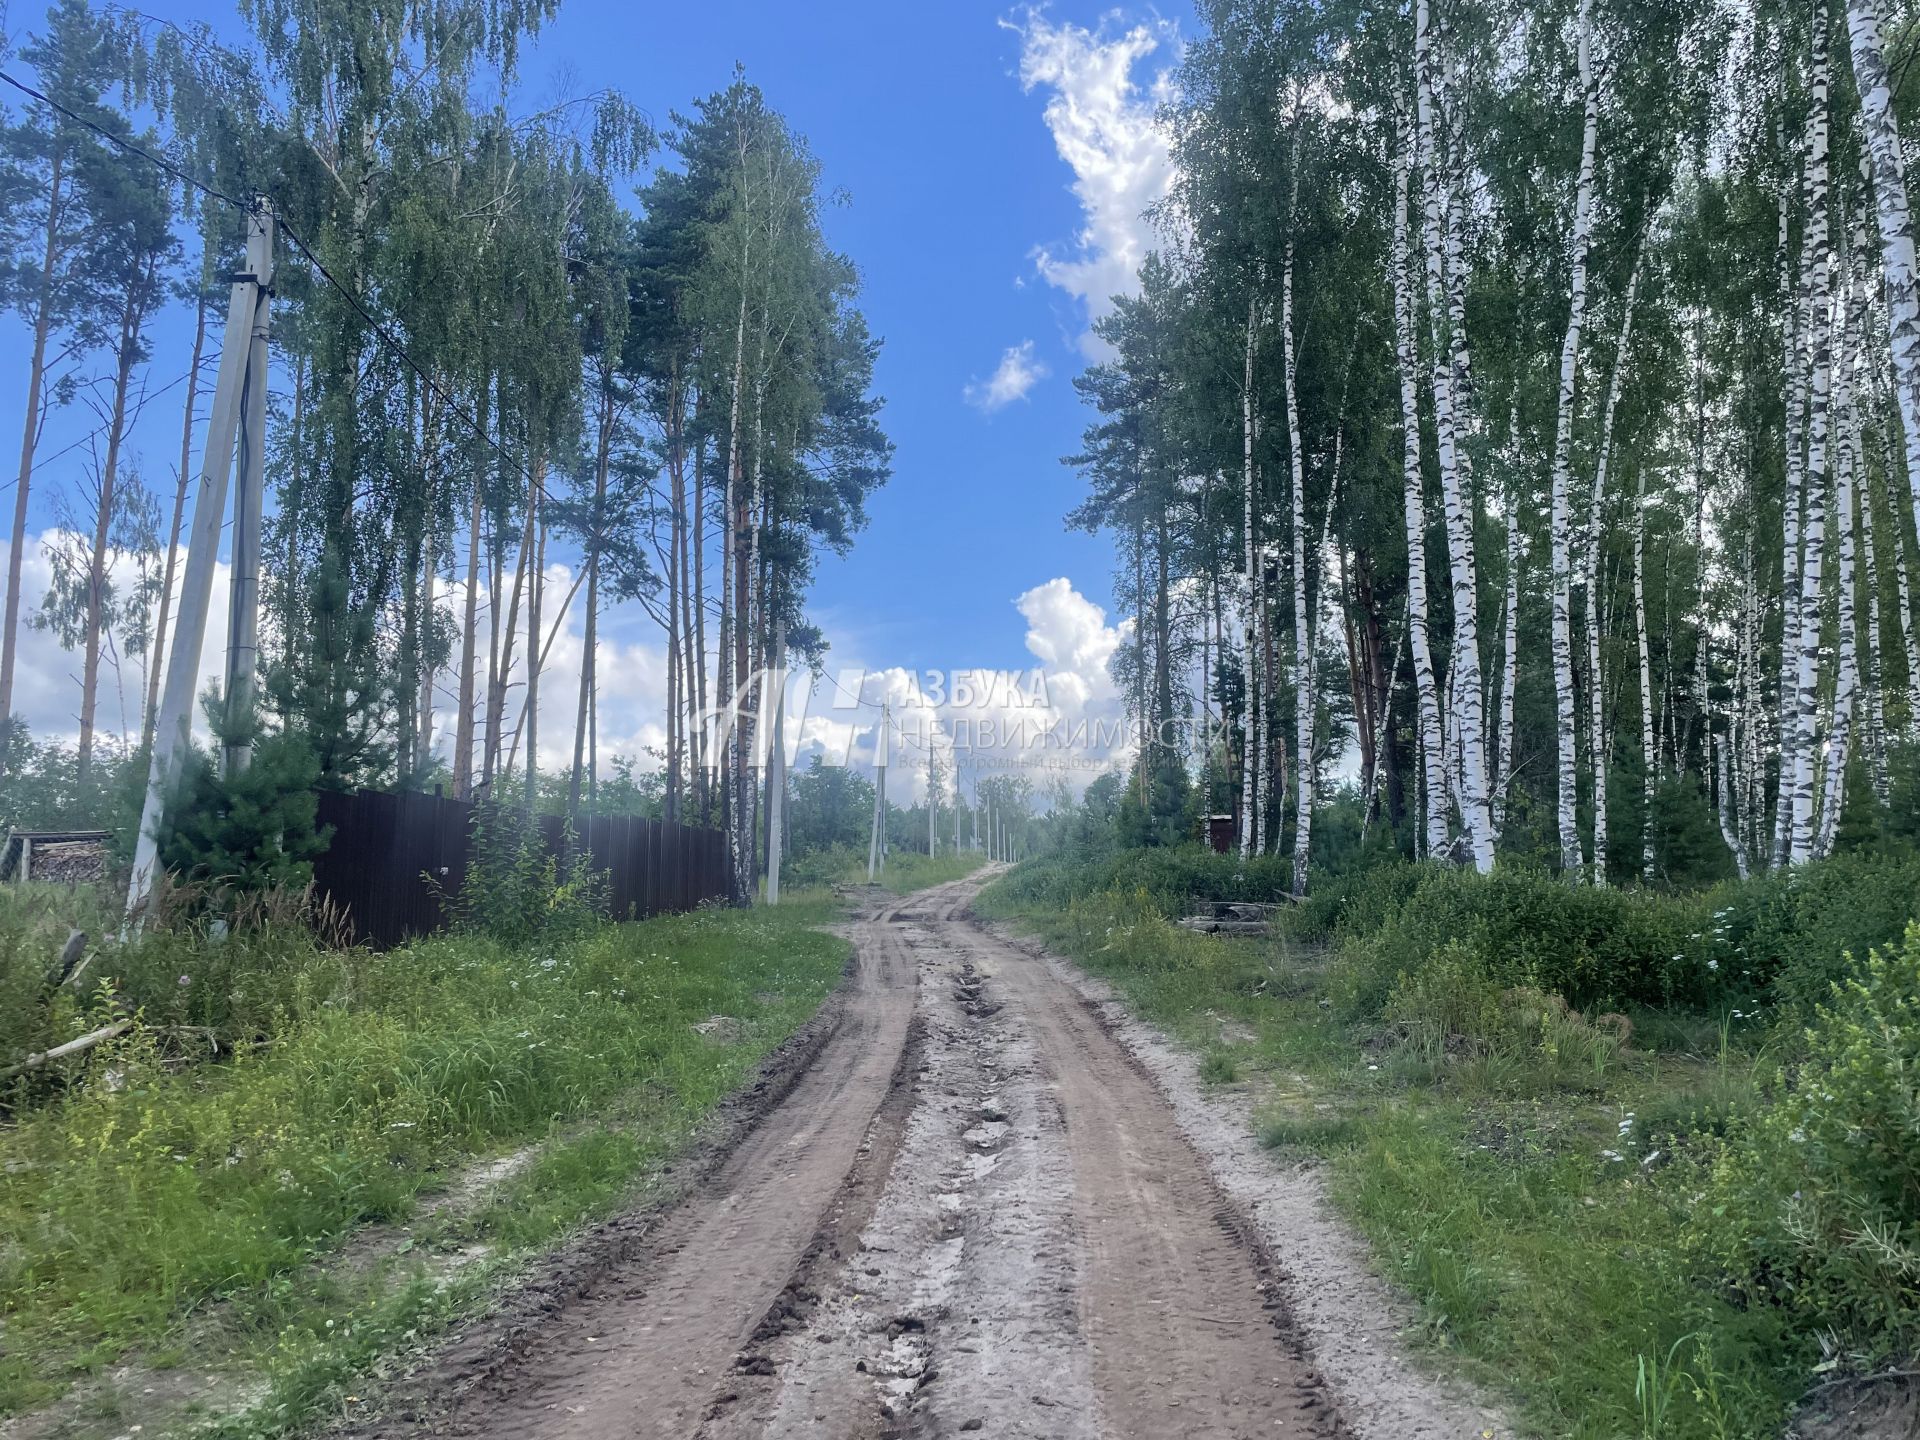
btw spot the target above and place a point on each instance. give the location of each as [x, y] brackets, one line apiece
[380, 331]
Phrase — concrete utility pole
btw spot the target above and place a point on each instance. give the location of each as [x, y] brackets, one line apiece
[239, 410]
[877, 843]
[777, 765]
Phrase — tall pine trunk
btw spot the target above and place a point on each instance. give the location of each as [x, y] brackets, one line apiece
[126, 351]
[30, 439]
[159, 644]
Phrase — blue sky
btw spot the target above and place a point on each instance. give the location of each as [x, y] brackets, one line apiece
[983, 249]
[919, 112]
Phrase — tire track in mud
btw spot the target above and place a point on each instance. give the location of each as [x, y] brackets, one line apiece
[973, 1212]
[957, 1312]
[649, 1345]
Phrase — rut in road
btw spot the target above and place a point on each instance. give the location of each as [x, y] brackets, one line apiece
[973, 1213]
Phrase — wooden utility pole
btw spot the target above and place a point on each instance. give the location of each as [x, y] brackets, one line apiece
[239, 411]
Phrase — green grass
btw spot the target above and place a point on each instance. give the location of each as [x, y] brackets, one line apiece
[1552, 1272]
[905, 871]
[133, 1201]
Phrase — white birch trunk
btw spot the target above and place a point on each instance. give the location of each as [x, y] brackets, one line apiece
[1561, 519]
[1847, 675]
[1509, 660]
[1649, 761]
[1729, 827]
[1470, 720]
[1250, 596]
[1895, 217]
[1433, 787]
[1800, 848]
[1597, 748]
[1872, 665]
[1303, 704]
[1799, 332]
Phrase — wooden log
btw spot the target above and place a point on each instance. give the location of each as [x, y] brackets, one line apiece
[73, 1047]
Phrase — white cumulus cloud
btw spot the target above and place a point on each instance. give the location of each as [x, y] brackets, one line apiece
[1017, 373]
[1104, 126]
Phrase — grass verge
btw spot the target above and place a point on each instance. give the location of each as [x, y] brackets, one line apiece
[160, 1211]
[1534, 1206]
[905, 871]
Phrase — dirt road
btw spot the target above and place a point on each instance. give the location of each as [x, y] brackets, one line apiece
[973, 1211]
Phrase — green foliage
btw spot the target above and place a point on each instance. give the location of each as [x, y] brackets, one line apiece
[1815, 1200]
[829, 807]
[1590, 946]
[214, 978]
[1451, 1010]
[1687, 847]
[252, 831]
[42, 787]
[518, 889]
[1171, 878]
[905, 872]
[1788, 934]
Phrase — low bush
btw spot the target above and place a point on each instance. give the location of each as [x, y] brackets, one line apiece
[1790, 933]
[1451, 1011]
[1815, 1200]
[1597, 949]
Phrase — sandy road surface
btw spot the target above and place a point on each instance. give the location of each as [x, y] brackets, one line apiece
[973, 1212]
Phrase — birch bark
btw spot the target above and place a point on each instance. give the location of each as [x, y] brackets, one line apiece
[1561, 520]
[1895, 218]
[1303, 628]
[1801, 834]
[1432, 752]
[1648, 759]
[1470, 720]
[1597, 747]
[1847, 673]
[1250, 595]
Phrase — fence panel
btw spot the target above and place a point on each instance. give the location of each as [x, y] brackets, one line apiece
[389, 852]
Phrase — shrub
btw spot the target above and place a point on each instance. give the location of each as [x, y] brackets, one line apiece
[1815, 1200]
[1791, 931]
[517, 890]
[201, 987]
[1452, 1010]
[1591, 946]
[252, 831]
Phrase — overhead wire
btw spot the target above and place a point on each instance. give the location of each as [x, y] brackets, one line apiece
[380, 331]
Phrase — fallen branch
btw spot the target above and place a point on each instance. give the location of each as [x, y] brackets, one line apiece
[72, 1047]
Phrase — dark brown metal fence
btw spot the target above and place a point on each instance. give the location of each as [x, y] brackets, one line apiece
[386, 847]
